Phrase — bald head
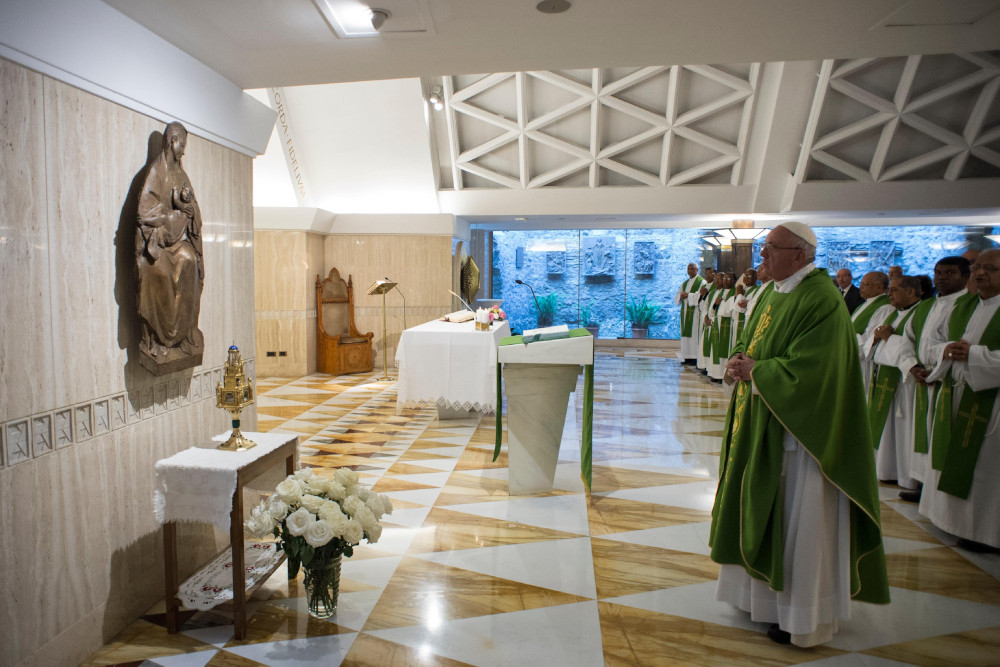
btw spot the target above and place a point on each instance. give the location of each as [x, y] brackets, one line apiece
[873, 284]
[986, 273]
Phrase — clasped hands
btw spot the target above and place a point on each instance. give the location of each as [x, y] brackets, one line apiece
[883, 332]
[957, 351]
[739, 366]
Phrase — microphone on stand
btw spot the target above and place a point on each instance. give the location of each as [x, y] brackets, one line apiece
[404, 301]
[462, 300]
[521, 282]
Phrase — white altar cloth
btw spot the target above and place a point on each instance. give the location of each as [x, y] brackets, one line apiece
[449, 364]
[198, 483]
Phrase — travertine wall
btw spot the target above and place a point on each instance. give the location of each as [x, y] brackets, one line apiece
[286, 264]
[420, 265]
[81, 423]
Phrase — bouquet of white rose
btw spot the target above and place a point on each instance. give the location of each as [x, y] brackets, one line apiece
[319, 519]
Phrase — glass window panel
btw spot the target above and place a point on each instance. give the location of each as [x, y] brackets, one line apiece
[602, 279]
[656, 265]
[547, 261]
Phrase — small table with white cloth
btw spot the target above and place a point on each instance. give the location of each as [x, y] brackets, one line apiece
[205, 484]
[451, 365]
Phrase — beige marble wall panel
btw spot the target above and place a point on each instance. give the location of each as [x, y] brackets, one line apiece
[281, 259]
[310, 336]
[26, 364]
[288, 335]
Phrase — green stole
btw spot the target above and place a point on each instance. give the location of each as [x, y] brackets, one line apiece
[706, 332]
[865, 316]
[688, 313]
[808, 376]
[921, 395]
[721, 329]
[975, 410]
[886, 382]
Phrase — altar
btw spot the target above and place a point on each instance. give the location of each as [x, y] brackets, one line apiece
[450, 365]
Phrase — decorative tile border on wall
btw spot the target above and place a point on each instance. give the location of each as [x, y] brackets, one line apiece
[284, 314]
[37, 435]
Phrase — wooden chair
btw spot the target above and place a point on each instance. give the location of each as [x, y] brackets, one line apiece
[340, 347]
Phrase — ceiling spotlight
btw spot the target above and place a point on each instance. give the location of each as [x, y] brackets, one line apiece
[436, 98]
[378, 17]
[553, 6]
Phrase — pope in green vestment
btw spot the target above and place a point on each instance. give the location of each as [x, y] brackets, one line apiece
[806, 381]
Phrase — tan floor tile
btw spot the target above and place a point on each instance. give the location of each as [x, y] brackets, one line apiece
[142, 640]
[419, 586]
[640, 637]
[273, 623]
[481, 458]
[387, 484]
[606, 478]
[284, 411]
[944, 572]
[415, 455]
[976, 647]
[896, 525]
[226, 659]
[369, 651]
[403, 468]
[445, 530]
[621, 568]
[616, 515]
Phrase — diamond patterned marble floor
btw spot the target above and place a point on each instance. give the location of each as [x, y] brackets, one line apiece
[466, 575]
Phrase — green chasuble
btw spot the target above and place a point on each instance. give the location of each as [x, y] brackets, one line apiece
[741, 317]
[921, 395]
[809, 381]
[689, 313]
[721, 331]
[865, 316]
[959, 438]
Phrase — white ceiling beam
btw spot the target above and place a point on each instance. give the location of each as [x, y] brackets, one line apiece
[713, 107]
[933, 130]
[638, 113]
[844, 167]
[717, 145]
[491, 175]
[819, 95]
[630, 80]
[949, 89]
[982, 59]
[451, 121]
[855, 128]
[486, 116]
[567, 147]
[630, 143]
[956, 165]
[882, 148]
[987, 155]
[863, 96]
[559, 172]
[717, 75]
[487, 147]
[851, 66]
[481, 85]
[747, 116]
[703, 169]
[565, 111]
[671, 116]
[596, 110]
[566, 84]
[631, 172]
[920, 162]
[974, 125]
[522, 120]
[906, 82]
[987, 137]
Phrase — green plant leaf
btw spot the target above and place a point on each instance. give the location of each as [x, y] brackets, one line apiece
[307, 553]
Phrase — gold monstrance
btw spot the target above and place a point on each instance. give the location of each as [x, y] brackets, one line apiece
[234, 393]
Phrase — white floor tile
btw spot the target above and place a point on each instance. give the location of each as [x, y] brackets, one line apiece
[353, 609]
[566, 513]
[562, 565]
[419, 496]
[428, 478]
[196, 659]
[696, 495]
[411, 518]
[562, 635]
[325, 651]
[217, 635]
[372, 571]
[690, 538]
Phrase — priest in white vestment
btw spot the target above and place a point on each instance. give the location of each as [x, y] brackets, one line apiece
[919, 337]
[687, 299]
[975, 366]
[869, 315]
[705, 297]
[895, 449]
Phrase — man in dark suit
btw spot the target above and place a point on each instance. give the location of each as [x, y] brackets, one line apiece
[852, 297]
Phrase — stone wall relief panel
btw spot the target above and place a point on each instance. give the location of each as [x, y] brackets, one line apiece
[598, 256]
[644, 259]
[555, 262]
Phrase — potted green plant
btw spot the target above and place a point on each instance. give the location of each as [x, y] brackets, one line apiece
[547, 307]
[641, 315]
[588, 321]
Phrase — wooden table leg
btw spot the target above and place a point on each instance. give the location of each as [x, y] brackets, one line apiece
[239, 570]
[170, 574]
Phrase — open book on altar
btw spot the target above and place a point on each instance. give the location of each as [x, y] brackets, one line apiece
[459, 316]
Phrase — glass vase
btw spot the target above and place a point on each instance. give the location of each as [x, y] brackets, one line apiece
[322, 583]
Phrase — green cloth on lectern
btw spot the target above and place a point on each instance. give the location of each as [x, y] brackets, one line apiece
[806, 355]
[587, 431]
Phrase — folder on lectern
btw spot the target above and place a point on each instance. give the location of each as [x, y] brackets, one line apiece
[539, 375]
[381, 287]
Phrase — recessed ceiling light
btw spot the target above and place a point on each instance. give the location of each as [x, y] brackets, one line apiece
[553, 6]
[520, 219]
[351, 18]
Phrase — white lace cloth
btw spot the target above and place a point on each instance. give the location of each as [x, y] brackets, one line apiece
[198, 483]
[213, 584]
[449, 364]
